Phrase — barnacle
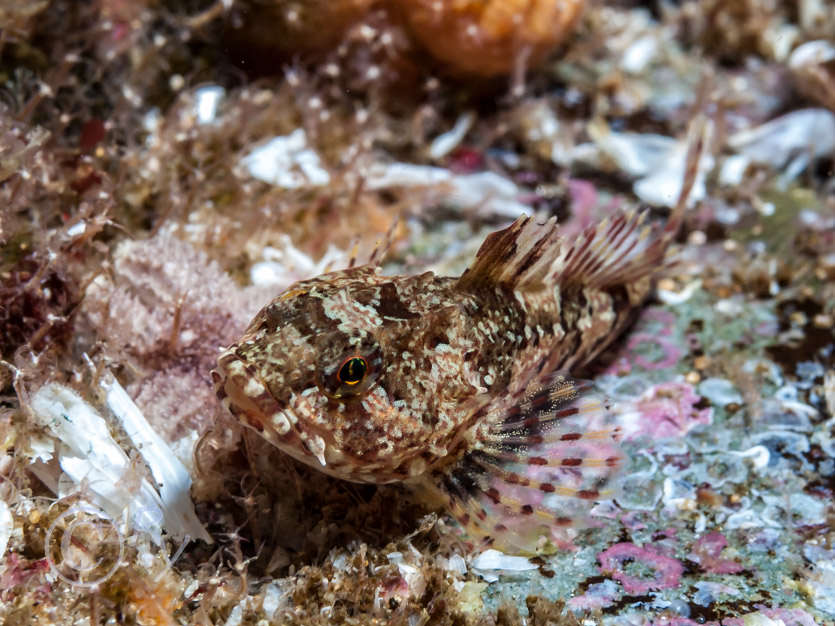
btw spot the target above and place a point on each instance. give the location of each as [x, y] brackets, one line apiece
[489, 37]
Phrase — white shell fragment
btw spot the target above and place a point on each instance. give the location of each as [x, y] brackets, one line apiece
[486, 192]
[285, 264]
[635, 154]
[287, 162]
[656, 161]
[813, 71]
[89, 456]
[814, 52]
[207, 99]
[639, 55]
[675, 298]
[171, 475]
[788, 143]
[446, 142]
[385, 175]
[6, 527]
[490, 563]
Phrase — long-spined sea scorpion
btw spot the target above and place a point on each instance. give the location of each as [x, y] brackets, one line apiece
[460, 386]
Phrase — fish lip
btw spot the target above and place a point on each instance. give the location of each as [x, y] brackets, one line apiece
[259, 413]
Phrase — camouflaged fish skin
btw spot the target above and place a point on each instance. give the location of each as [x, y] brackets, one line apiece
[441, 353]
[458, 386]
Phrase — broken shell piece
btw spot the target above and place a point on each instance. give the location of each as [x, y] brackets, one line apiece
[657, 161]
[789, 142]
[171, 476]
[446, 142]
[491, 563]
[486, 192]
[89, 455]
[207, 100]
[813, 67]
[287, 161]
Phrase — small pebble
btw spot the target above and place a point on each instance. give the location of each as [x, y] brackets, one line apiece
[701, 362]
[693, 377]
[720, 392]
[708, 497]
[176, 82]
[822, 320]
[697, 238]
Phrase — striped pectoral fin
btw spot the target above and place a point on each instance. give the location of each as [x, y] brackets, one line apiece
[514, 512]
[476, 509]
[550, 399]
[539, 468]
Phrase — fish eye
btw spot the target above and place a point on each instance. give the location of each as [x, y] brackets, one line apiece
[347, 367]
[352, 371]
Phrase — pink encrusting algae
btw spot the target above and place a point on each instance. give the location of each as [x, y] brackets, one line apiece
[666, 571]
[669, 409]
[707, 552]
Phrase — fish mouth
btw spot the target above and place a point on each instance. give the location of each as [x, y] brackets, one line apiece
[244, 394]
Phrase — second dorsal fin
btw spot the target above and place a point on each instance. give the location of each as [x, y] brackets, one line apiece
[619, 249]
[527, 254]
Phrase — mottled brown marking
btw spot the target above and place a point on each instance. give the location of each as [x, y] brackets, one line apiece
[458, 372]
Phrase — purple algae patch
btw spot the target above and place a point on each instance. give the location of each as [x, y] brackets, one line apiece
[667, 570]
[707, 552]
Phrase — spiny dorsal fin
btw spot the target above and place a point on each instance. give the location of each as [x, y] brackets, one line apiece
[518, 256]
[527, 254]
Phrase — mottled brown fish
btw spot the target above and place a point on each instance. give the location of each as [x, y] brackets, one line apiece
[457, 386]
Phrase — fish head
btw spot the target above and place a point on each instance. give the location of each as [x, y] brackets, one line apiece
[324, 373]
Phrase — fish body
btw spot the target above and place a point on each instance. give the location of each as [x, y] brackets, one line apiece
[458, 385]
